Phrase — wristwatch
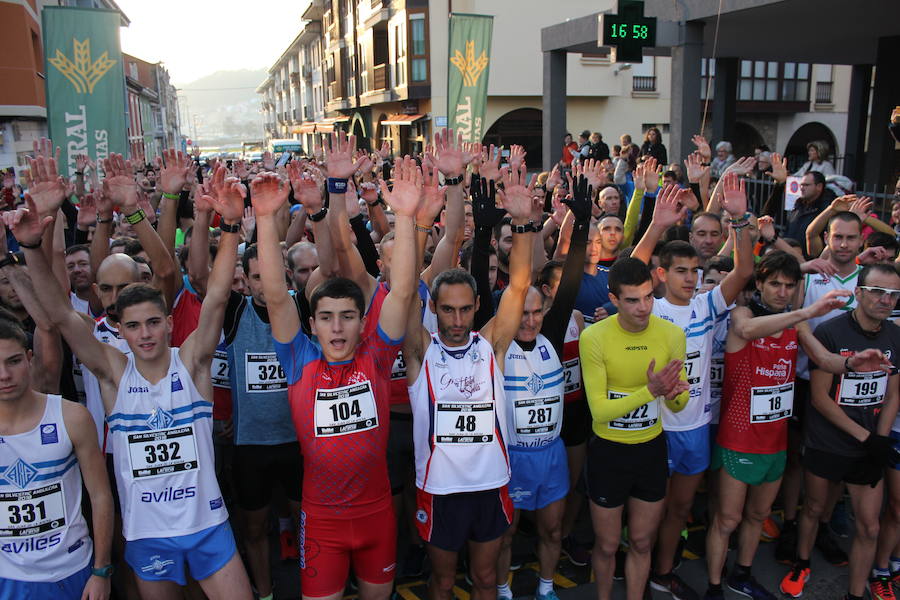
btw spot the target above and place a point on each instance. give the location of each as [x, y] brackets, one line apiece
[104, 572]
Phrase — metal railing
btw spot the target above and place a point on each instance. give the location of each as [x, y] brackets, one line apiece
[643, 83]
[379, 78]
[823, 92]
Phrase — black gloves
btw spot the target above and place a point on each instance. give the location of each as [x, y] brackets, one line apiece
[881, 449]
[484, 206]
[580, 202]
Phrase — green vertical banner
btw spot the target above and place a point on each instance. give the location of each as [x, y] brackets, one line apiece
[85, 85]
[467, 74]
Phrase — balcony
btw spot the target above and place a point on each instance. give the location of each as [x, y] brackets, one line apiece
[823, 92]
[380, 89]
[643, 83]
[380, 77]
[306, 71]
[295, 77]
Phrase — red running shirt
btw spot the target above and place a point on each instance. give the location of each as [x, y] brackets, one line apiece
[758, 395]
[341, 413]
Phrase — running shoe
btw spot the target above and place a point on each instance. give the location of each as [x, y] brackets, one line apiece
[674, 585]
[895, 580]
[793, 582]
[578, 555]
[880, 588]
[750, 588]
[829, 548]
[710, 595]
[786, 548]
[770, 530]
[288, 543]
[551, 595]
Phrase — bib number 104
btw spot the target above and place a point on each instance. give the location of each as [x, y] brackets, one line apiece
[621, 30]
[342, 411]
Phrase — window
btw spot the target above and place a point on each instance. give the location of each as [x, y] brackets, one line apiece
[771, 81]
[419, 70]
[400, 53]
[418, 45]
[707, 78]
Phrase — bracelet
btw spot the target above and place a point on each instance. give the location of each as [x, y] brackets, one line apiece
[9, 260]
[171, 196]
[102, 220]
[316, 217]
[32, 246]
[454, 180]
[79, 173]
[423, 229]
[337, 185]
[526, 228]
[746, 216]
[847, 368]
[740, 225]
[226, 228]
[136, 217]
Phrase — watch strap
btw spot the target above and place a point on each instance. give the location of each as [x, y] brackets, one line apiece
[316, 217]
[454, 180]
[226, 228]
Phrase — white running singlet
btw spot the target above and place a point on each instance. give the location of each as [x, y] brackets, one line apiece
[43, 536]
[459, 419]
[533, 382]
[161, 436]
[106, 333]
[817, 285]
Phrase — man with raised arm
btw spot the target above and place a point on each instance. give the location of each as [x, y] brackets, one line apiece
[626, 461]
[339, 392]
[687, 430]
[460, 414]
[158, 402]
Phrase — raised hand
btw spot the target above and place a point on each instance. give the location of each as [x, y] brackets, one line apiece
[248, 223]
[669, 210]
[831, 301]
[651, 174]
[364, 163]
[766, 225]
[268, 161]
[451, 158]
[580, 201]
[175, 170]
[694, 166]
[404, 197]
[385, 151]
[594, 173]
[203, 199]
[559, 209]
[268, 193]
[516, 156]
[861, 207]
[240, 169]
[26, 223]
[742, 166]
[433, 197]
[874, 254]
[81, 162]
[490, 163]
[734, 195]
[474, 148]
[339, 156]
[368, 191]
[120, 183]
[48, 188]
[143, 202]
[44, 148]
[227, 196]
[779, 170]
[554, 179]
[702, 147]
[351, 200]
[516, 196]
[87, 212]
[818, 265]
[485, 211]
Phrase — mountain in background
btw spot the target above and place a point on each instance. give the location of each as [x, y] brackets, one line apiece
[223, 107]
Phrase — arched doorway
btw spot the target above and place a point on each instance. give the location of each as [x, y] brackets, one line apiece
[745, 138]
[382, 132]
[522, 126]
[811, 132]
[358, 128]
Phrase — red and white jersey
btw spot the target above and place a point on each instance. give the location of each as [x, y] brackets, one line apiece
[459, 419]
[758, 395]
[572, 362]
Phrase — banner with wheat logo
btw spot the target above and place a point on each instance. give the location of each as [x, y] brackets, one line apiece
[467, 85]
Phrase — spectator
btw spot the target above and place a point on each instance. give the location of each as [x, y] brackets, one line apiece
[625, 140]
[653, 146]
[816, 152]
[722, 161]
[814, 198]
[584, 144]
[597, 149]
[569, 151]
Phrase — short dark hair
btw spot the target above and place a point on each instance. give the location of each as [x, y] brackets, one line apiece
[138, 293]
[548, 272]
[468, 248]
[887, 269]
[778, 261]
[673, 249]
[885, 240]
[627, 271]
[699, 215]
[143, 261]
[296, 248]
[845, 215]
[670, 174]
[78, 248]
[722, 264]
[338, 287]
[11, 328]
[132, 247]
[498, 228]
[452, 277]
[252, 252]
[818, 178]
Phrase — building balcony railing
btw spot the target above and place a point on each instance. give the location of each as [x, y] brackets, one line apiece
[643, 83]
[333, 92]
[295, 77]
[306, 71]
[380, 77]
[823, 92]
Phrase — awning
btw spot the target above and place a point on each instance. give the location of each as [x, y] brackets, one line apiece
[308, 127]
[341, 119]
[327, 125]
[401, 119]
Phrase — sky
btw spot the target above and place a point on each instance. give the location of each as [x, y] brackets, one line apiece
[194, 38]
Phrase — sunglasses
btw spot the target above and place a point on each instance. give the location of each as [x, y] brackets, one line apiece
[879, 292]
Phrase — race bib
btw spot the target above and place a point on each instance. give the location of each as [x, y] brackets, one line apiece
[692, 368]
[716, 373]
[535, 416]
[220, 375]
[863, 389]
[771, 403]
[163, 452]
[464, 423]
[398, 371]
[32, 512]
[343, 410]
[642, 417]
[264, 372]
[571, 376]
